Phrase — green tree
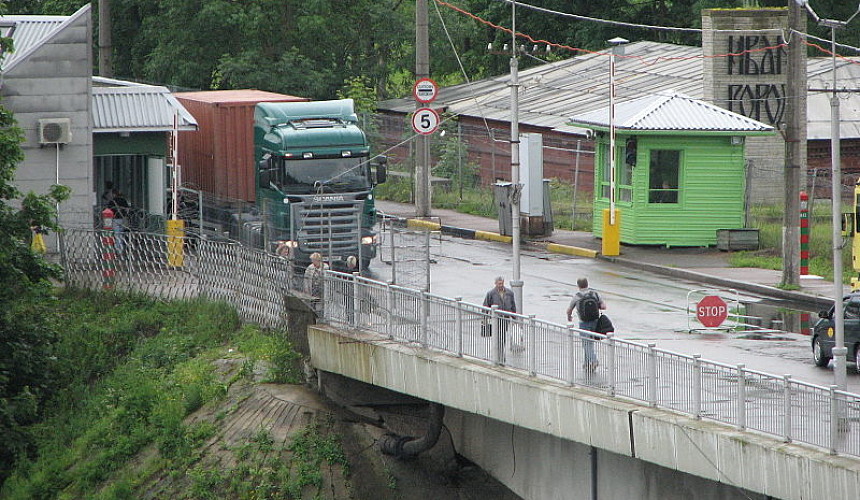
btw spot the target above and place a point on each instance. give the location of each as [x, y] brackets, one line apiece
[26, 331]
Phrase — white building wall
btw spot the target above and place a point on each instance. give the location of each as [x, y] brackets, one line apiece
[55, 81]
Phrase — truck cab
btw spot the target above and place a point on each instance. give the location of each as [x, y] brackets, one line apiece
[315, 180]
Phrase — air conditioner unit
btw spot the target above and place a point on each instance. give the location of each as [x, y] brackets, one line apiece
[55, 131]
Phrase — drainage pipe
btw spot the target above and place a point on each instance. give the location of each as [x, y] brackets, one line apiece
[408, 446]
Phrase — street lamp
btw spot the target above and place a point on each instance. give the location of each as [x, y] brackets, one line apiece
[516, 281]
[611, 237]
[839, 350]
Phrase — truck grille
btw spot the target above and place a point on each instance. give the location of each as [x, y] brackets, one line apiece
[325, 226]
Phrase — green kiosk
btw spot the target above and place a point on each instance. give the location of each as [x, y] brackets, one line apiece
[679, 174]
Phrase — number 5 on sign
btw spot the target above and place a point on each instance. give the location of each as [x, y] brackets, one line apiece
[425, 121]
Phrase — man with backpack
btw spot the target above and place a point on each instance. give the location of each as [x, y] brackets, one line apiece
[588, 304]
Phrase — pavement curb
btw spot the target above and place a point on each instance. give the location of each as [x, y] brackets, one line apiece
[812, 301]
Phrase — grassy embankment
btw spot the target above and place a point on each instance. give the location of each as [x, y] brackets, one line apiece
[129, 372]
[768, 219]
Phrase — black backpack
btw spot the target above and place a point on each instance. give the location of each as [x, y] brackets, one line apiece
[588, 307]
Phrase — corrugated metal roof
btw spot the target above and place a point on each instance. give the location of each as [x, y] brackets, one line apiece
[551, 93]
[30, 32]
[670, 110]
[137, 108]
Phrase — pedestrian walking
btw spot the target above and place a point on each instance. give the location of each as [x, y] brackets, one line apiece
[313, 284]
[121, 210]
[502, 297]
[587, 304]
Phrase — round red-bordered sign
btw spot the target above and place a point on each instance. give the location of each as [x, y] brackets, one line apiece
[711, 311]
[425, 121]
[425, 91]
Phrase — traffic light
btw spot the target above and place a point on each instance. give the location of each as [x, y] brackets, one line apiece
[630, 152]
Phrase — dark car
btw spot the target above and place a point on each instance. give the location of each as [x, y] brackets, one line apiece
[823, 336]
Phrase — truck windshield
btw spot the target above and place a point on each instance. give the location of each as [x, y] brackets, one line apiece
[330, 174]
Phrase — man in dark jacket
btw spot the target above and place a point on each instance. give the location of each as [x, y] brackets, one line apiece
[502, 297]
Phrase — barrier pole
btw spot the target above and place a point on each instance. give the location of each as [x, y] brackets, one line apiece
[108, 250]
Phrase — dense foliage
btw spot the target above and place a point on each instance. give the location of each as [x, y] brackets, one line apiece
[128, 370]
[27, 333]
[314, 48]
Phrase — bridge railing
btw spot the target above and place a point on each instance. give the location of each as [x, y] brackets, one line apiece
[732, 394]
[256, 283]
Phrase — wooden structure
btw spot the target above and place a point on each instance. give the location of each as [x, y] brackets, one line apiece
[680, 169]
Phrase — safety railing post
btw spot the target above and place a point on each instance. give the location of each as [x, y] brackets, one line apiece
[571, 354]
[494, 322]
[741, 400]
[611, 362]
[531, 334]
[834, 421]
[422, 319]
[458, 324]
[786, 401]
[697, 386]
[356, 302]
[652, 374]
[389, 308]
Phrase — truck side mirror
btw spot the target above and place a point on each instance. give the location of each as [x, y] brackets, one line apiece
[847, 224]
[264, 173]
[381, 173]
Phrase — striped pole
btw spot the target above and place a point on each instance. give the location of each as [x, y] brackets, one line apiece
[804, 233]
[108, 253]
[804, 252]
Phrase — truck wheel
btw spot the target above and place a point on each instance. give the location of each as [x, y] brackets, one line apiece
[818, 353]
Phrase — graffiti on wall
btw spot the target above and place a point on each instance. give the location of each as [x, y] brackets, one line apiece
[757, 55]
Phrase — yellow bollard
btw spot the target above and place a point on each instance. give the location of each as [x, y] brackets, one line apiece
[175, 242]
[611, 245]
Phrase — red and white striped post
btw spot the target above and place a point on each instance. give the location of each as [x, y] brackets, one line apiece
[108, 252]
[804, 252]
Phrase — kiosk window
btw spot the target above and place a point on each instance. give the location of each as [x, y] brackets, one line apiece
[665, 165]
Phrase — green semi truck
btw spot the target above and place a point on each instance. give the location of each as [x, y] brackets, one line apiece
[315, 180]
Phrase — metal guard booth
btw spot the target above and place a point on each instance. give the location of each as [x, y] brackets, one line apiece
[680, 169]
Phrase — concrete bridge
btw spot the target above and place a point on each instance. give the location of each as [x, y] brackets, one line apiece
[649, 424]
[547, 440]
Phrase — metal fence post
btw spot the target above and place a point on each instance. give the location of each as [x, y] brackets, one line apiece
[532, 343]
[494, 321]
[786, 379]
[571, 354]
[422, 310]
[742, 396]
[697, 386]
[834, 421]
[611, 362]
[652, 375]
[356, 302]
[458, 324]
[389, 307]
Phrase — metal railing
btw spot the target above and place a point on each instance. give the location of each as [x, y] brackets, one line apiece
[732, 394]
[256, 283]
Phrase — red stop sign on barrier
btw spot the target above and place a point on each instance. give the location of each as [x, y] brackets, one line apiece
[712, 311]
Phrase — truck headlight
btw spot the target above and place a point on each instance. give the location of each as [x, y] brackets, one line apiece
[368, 240]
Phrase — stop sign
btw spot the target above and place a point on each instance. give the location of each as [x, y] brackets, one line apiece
[712, 311]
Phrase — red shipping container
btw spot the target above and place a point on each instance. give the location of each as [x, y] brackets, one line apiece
[218, 158]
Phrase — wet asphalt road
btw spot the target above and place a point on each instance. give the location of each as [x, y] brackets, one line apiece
[644, 307]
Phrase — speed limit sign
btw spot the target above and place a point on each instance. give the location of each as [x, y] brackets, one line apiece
[425, 121]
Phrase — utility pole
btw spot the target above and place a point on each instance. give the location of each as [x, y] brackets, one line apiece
[516, 281]
[794, 134]
[105, 42]
[422, 145]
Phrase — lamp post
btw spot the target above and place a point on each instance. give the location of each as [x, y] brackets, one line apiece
[839, 350]
[611, 239]
[516, 281]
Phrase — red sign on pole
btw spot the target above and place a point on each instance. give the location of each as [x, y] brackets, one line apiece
[712, 311]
